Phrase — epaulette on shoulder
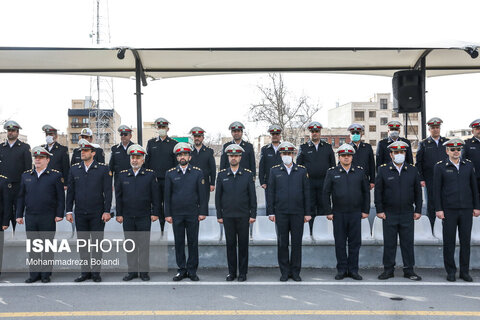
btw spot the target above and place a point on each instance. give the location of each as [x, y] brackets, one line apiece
[276, 166]
[223, 170]
[149, 170]
[468, 160]
[29, 170]
[331, 168]
[3, 177]
[360, 167]
[75, 164]
[302, 166]
[123, 171]
[103, 164]
[197, 168]
[383, 165]
[55, 170]
[171, 169]
[412, 164]
[248, 170]
[440, 161]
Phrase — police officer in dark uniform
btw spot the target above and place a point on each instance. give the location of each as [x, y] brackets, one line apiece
[317, 156]
[397, 189]
[160, 159]
[15, 159]
[346, 188]
[43, 199]
[138, 205]
[236, 204]
[59, 159]
[203, 158]
[269, 156]
[87, 134]
[456, 199]
[185, 206]
[383, 154]
[4, 210]
[288, 205]
[248, 157]
[90, 189]
[119, 158]
[472, 149]
[430, 151]
[363, 155]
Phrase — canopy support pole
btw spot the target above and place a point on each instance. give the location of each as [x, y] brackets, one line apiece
[140, 79]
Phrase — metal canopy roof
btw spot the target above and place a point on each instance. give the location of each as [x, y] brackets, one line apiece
[161, 63]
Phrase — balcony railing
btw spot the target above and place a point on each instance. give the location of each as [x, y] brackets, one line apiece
[79, 125]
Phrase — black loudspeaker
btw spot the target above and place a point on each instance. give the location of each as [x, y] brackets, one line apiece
[407, 91]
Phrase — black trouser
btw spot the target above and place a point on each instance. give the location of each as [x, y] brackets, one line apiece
[40, 227]
[430, 201]
[1, 249]
[316, 195]
[161, 187]
[12, 198]
[237, 231]
[188, 224]
[90, 227]
[289, 225]
[138, 229]
[403, 226]
[347, 228]
[461, 218]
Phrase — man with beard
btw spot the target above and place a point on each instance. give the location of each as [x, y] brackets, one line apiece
[15, 159]
[202, 157]
[87, 134]
[119, 158]
[59, 159]
[248, 158]
[90, 190]
[269, 156]
[160, 158]
[185, 207]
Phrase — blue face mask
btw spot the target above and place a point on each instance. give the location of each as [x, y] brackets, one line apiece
[356, 137]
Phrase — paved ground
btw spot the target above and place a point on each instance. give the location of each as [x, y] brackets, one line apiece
[261, 297]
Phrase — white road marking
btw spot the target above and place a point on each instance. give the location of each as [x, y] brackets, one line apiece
[351, 300]
[256, 283]
[392, 295]
[64, 303]
[289, 298]
[230, 297]
[310, 303]
[2, 301]
[468, 297]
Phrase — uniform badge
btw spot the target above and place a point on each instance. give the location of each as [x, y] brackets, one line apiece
[63, 180]
[110, 173]
[10, 186]
[203, 181]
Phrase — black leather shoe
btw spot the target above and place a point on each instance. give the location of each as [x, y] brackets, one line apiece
[32, 280]
[83, 277]
[97, 279]
[230, 277]
[179, 276]
[193, 277]
[386, 275]
[340, 276]
[296, 277]
[284, 278]
[242, 278]
[144, 276]
[451, 277]
[412, 276]
[355, 276]
[46, 279]
[466, 277]
[130, 276]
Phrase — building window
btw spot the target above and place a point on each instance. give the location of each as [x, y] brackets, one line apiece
[75, 137]
[324, 140]
[74, 120]
[383, 121]
[341, 141]
[359, 116]
[372, 128]
[394, 114]
[412, 130]
[383, 104]
[383, 135]
[372, 114]
[413, 116]
[333, 142]
[373, 142]
[85, 120]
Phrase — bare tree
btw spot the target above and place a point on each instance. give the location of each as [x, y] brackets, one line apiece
[277, 107]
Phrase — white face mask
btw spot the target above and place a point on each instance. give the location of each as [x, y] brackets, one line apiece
[162, 132]
[287, 160]
[394, 135]
[399, 158]
[49, 139]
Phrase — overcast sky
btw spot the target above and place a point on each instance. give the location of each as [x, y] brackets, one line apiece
[214, 101]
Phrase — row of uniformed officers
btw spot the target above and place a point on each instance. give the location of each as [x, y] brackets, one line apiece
[295, 193]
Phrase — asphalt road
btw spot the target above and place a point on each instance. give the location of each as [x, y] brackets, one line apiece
[261, 297]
